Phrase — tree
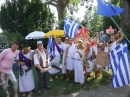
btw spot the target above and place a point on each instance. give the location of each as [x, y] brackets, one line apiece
[6, 39]
[63, 5]
[91, 20]
[25, 16]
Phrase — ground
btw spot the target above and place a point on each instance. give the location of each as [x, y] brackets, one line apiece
[62, 88]
[102, 91]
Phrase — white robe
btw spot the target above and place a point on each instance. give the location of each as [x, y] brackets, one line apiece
[63, 65]
[26, 81]
[89, 61]
[56, 59]
[78, 68]
[70, 56]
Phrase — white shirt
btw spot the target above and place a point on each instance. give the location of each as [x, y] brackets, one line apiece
[36, 61]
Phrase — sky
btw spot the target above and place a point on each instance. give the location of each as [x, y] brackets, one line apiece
[79, 14]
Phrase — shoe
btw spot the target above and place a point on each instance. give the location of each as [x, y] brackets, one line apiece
[39, 92]
[51, 79]
[67, 79]
[56, 76]
[23, 94]
[48, 87]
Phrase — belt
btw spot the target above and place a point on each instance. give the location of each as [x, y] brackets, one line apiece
[77, 59]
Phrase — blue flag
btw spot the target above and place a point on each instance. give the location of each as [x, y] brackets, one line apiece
[70, 28]
[50, 48]
[120, 65]
[107, 9]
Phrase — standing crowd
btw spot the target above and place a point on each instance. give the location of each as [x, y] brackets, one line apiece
[78, 56]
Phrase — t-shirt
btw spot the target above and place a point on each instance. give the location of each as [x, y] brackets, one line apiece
[7, 58]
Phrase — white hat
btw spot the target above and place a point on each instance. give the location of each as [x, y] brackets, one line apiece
[39, 42]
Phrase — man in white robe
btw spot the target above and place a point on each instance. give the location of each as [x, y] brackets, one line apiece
[26, 79]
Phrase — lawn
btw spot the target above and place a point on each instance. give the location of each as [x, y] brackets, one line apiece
[62, 86]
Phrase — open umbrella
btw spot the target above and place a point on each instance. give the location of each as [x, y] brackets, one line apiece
[35, 35]
[55, 33]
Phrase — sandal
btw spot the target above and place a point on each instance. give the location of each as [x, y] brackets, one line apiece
[67, 79]
[23, 94]
[81, 83]
[31, 93]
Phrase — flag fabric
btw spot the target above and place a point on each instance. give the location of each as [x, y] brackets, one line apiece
[50, 47]
[119, 62]
[107, 9]
[70, 28]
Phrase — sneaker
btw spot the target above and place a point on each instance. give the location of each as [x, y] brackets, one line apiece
[51, 79]
[56, 76]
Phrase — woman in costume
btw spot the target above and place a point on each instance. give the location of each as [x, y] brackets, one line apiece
[87, 58]
[69, 55]
[26, 79]
[78, 68]
[58, 47]
[65, 45]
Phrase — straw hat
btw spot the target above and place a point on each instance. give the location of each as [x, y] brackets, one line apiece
[102, 59]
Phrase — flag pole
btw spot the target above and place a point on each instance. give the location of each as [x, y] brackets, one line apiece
[102, 23]
[118, 28]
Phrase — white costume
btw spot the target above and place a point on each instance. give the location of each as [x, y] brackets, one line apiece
[78, 67]
[88, 57]
[26, 81]
[56, 59]
[64, 51]
[70, 56]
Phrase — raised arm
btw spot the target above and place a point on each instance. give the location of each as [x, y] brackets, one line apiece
[122, 36]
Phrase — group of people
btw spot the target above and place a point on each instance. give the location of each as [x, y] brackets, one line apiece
[77, 54]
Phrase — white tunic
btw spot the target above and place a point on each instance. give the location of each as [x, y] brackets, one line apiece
[26, 81]
[70, 62]
[64, 51]
[78, 68]
[89, 61]
[56, 59]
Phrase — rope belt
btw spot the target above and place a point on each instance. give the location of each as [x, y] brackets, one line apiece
[77, 59]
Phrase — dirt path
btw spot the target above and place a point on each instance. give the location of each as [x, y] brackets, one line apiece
[102, 91]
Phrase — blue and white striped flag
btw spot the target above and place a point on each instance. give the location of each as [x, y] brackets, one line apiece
[50, 47]
[119, 62]
[70, 28]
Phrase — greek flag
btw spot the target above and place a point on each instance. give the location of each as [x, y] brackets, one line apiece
[119, 61]
[50, 47]
[70, 28]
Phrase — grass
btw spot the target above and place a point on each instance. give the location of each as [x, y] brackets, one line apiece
[62, 87]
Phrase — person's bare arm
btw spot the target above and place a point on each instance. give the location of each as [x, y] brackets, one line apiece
[122, 36]
[40, 68]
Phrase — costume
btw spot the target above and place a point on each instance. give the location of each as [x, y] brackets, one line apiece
[7, 58]
[26, 79]
[57, 57]
[64, 51]
[78, 68]
[41, 58]
[70, 55]
[88, 58]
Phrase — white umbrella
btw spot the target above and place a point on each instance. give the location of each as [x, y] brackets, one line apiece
[35, 35]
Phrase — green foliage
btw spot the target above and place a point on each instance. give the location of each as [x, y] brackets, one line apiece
[91, 20]
[6, 39]
[25, 16]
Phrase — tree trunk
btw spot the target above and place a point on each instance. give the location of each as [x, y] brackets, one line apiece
[125, 17]
[60, 9]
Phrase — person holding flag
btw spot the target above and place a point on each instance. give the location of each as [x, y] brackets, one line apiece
[58, 48]
[65, 45]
